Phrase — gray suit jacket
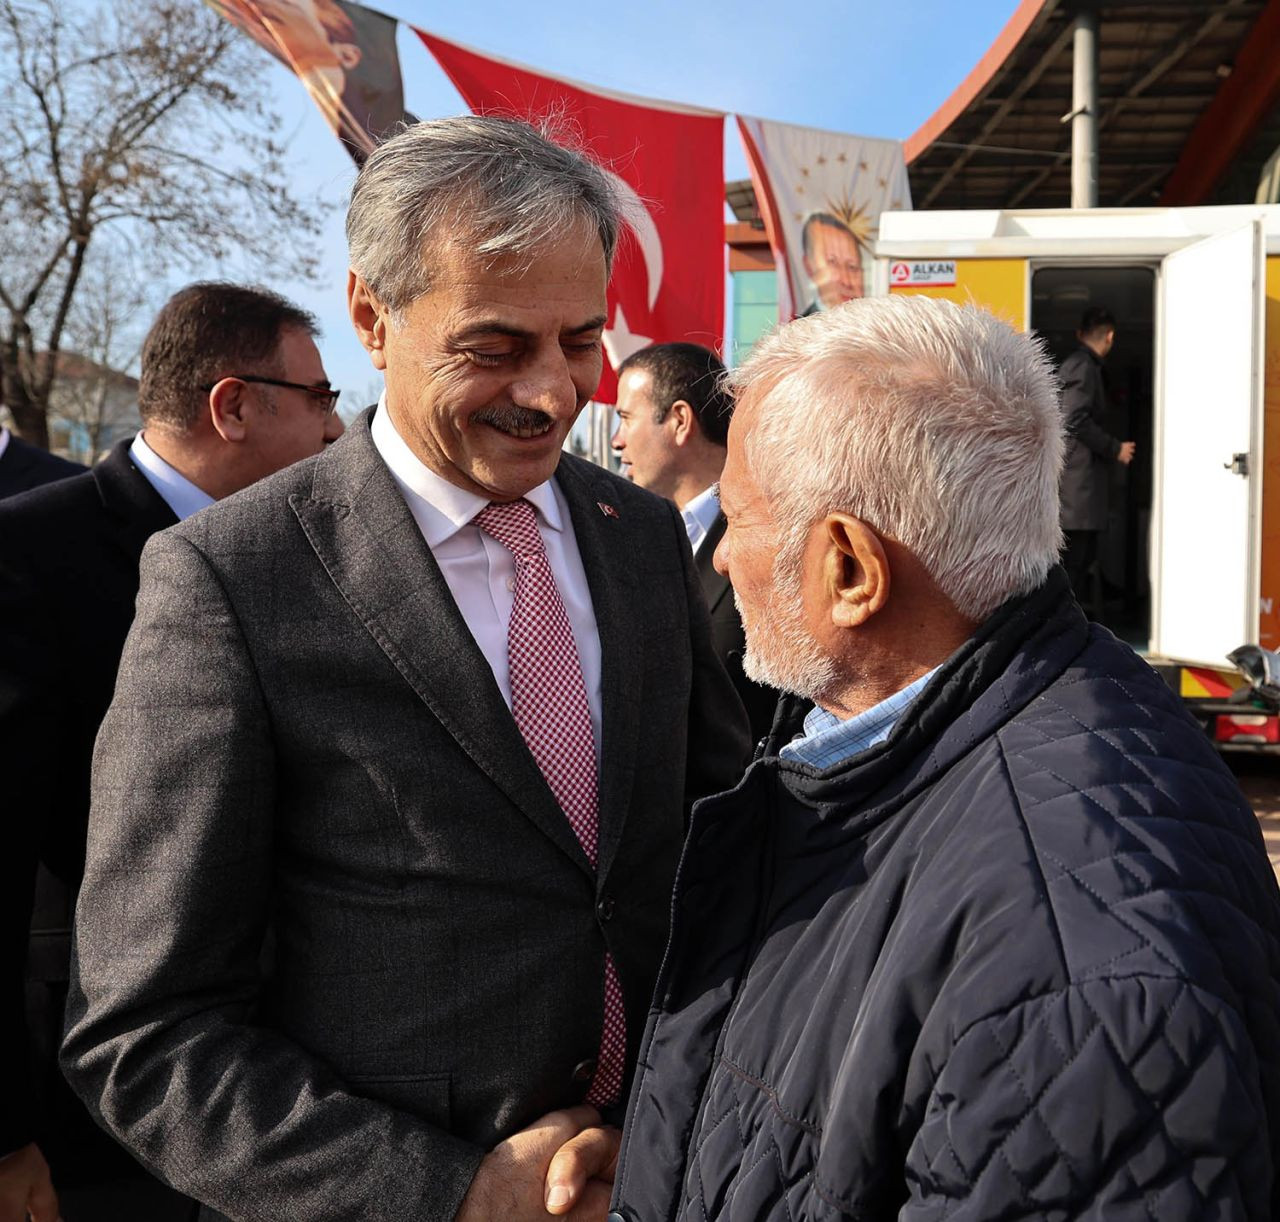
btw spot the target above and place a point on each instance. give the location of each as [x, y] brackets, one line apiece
[336, 938]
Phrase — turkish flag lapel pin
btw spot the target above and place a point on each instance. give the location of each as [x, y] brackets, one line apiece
[607, 509]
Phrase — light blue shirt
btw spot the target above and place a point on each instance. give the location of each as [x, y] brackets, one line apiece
[699, 514]
[828, 740]
[178, 492]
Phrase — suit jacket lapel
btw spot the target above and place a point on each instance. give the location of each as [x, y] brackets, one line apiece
[363, 533]
[715, 588]
[602, 542]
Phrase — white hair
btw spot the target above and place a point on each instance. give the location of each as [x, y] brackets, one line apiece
[497, 184]
[936, 424]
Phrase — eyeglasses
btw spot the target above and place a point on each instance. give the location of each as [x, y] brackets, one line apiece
[326, 396]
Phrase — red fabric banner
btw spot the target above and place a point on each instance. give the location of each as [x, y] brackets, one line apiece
[668, 278]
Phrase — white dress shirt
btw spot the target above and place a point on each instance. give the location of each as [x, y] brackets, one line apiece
[480, 572]
[699, 514]
[4, 439]
[178, 492]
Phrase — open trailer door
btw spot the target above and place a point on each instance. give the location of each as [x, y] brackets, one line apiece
[1207, 521]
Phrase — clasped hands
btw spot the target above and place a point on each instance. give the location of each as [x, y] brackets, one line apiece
[561, 1165]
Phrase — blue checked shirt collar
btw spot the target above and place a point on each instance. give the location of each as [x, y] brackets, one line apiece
[827, 740]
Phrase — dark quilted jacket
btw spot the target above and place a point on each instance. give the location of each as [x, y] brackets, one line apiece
[1020, 961]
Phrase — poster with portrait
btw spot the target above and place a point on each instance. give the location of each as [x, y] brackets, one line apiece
[820, 195]
[345, 55]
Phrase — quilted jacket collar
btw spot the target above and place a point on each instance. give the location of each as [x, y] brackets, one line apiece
[1017, 652]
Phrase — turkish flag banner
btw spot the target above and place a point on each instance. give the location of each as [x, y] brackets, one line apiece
[666, 159]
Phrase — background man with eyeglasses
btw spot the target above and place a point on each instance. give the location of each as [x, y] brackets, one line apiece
[232, 389]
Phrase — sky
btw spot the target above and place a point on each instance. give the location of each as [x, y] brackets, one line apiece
[875, 69]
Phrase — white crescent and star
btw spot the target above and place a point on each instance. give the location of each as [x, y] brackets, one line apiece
[619, 340]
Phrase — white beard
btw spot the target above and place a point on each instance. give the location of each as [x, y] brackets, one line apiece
[780, 650]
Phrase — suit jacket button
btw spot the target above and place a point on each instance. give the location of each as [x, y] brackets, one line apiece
[605, 909]
[584, 1071]
[615, 1216]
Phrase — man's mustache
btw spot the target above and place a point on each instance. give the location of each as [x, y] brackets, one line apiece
[512, 418]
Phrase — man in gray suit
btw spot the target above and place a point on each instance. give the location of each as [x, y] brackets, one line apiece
[388, 804]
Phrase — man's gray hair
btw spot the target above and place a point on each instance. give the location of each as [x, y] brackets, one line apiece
[936, 424]
[498, 185]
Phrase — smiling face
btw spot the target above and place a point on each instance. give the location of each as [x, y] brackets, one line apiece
[834, 264]
[487, 371]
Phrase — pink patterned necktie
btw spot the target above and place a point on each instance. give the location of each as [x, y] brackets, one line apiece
[549, 703]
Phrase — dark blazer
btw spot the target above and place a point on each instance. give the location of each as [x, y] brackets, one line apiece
[307, 744]
[1090, 448]
[24, 466]
[68, 577]
[727, 635]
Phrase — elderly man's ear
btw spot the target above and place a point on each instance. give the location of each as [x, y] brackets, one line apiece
[855, 570]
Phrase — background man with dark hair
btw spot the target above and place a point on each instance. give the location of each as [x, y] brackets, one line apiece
[673, 418]
[232, 389]
[1090, 448]
[832, 261]
[428, 710]
[24, 466]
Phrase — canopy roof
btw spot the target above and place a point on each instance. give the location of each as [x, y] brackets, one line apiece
[1189, 110]
[1187, 99]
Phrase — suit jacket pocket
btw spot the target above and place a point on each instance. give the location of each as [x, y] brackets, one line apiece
[423, 1095]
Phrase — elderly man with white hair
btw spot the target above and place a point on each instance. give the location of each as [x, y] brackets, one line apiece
[988, 931]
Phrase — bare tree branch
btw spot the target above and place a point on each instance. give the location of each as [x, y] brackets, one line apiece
[142, 119]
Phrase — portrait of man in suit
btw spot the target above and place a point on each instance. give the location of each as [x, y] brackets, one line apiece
[673, 421]
[344, 54]
[832, 261]
[232, 388]
[388, 804]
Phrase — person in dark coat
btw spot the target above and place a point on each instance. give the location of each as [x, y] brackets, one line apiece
[232, 388]
[24, 466]
[988, 930]
[1090, 448]
[673, 417]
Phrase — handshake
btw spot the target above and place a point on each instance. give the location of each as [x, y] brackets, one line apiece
[560, 1165]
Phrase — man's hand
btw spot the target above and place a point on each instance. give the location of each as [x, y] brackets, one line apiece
[584, 1164]
[25, 1187]
[560, 1165]
[1126, 452]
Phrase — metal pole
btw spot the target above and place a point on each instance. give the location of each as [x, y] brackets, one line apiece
[1084, 111]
